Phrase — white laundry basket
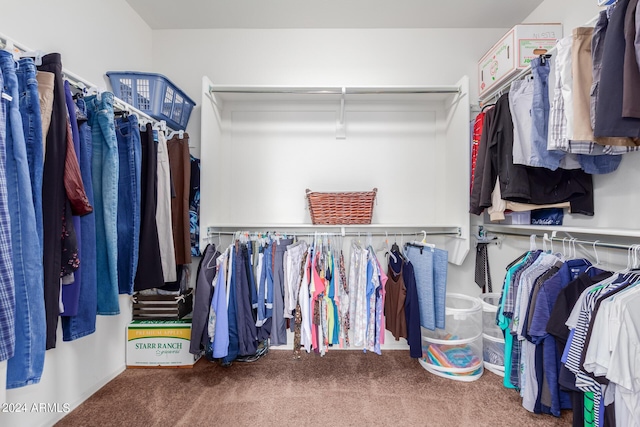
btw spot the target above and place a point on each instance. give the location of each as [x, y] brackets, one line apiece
[455, 352]
[492, 336]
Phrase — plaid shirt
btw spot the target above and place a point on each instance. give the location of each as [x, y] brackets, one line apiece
[558, 130]
[7, 292]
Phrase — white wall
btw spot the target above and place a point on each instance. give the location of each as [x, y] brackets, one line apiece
[92, 38]
[318, 57]
[333, 57]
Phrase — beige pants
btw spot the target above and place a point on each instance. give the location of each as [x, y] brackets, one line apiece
[163, 212]
[45, 90]
[581, 68]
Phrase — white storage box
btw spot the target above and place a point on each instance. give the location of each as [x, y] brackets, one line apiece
[514, 52]
[455, 352]
[159, 343]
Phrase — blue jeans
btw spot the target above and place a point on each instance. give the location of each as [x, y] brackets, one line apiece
[129, 151]
[32, 126]
[422, 260]
[7, 291]
[105, 190]
[25, 367]
[84, 322]
[430, 270]
[440, 266]
[540, 156]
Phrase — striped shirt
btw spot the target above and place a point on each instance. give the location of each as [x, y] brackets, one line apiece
[583, 381]
[558, 129]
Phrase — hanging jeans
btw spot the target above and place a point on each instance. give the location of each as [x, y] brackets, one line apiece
[7, 291]
[25, 367]
[540, 156]
[30, 110]
[84, 322]
[149, 271]
[430, 269]
[105, 169]
[129, 152]
[53, 196]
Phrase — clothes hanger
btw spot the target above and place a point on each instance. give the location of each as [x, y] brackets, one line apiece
[180, 134]
[384, 247]
[596, 256]
[161, 125]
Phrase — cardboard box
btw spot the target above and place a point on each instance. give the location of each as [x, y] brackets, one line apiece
[159, 343]
[514, 52]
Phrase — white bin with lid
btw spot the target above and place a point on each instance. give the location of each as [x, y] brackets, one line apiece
[455, 352]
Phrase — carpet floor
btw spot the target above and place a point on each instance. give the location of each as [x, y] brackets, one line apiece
[343, 388]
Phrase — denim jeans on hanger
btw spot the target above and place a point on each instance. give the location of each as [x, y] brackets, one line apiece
[440, 265]
[129, 152]
[84, 322]
[7, 291]
[25, 367]
[430, 270]
[540, 156]
[422, 260]
[105, 169]
[32, 126]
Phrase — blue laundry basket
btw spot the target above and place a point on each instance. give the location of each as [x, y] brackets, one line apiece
[153, 94]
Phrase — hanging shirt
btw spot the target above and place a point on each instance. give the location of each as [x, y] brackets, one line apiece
[305, 309]
[380, 299]
[219, 318]
[358, 294]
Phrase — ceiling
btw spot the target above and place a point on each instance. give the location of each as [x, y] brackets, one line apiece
[199, 14]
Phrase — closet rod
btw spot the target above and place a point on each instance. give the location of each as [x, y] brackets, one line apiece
[78, 81]
[347, 233]
[399, 90]
[496, 93]
[567, 239]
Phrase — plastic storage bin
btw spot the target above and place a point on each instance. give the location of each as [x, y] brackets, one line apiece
[489, 310]
[493, 353]
[456, 351]
[153, 94]
[492, 336]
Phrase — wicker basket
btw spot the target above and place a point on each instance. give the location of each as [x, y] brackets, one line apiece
[342, 208]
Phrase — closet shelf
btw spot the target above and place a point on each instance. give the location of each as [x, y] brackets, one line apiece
[378, 229]
[274, 93]
[536, 229]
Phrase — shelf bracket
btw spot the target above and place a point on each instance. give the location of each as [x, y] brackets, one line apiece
[340, 126]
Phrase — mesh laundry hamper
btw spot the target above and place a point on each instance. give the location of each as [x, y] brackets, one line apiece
[455, 352]
[492, 335]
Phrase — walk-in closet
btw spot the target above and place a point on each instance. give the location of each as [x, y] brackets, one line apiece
[327, 213]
